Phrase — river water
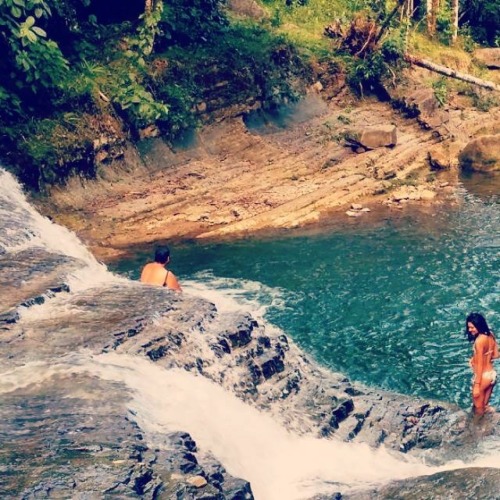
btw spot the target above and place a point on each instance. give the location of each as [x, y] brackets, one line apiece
[382, 301]
[384, 304]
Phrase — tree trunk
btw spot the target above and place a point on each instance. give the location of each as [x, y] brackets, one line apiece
[454, 18]
[432, 12]
[429, 16]
[148, 6]
[443, 70]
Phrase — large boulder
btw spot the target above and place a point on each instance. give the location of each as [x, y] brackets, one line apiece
[463, 483]
[374, 137]
[490, 57]
[481, 154]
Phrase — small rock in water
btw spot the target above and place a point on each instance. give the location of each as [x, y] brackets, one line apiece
[356, 206]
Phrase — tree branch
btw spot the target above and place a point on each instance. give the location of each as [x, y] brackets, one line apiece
[443, 70]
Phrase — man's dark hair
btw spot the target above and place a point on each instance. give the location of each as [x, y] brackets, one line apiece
[162, 254]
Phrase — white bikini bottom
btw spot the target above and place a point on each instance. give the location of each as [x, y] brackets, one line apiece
[491, 375]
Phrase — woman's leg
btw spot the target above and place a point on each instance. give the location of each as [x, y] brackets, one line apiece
[482, 399]
[487, 396]
[478, 402]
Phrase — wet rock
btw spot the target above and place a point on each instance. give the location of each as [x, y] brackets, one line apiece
[271, 366]
[27, 277]
[221, 347]
[237, 489]
[242, 334]
[341, 412]
[467, 484]
[197, 481]
[261, 367]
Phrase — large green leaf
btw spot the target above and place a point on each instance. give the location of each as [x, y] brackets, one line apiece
[39, 31]
[16, 11]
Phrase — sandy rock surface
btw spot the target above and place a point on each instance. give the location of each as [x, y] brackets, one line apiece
[238, 178]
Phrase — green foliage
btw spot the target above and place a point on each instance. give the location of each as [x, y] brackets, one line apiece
[365, 75]
[141, 45]
[483, 17]
[55, 148]
[10, 104]
[467, 38]
[441, 91]
[368, 73]
[140, 106]
[180, 104]
[393, 48]
[60, 66]
[276, 19]
[444, 24]
[191, 21]
[37, 60]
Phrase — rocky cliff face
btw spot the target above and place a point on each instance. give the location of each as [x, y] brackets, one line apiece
[260, 172]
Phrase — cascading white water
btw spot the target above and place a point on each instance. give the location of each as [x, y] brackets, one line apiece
[30, 229]
[250, 444]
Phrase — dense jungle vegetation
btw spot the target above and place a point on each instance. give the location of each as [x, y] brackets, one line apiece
[80, 77]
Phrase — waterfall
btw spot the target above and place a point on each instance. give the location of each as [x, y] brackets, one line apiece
[250, 443]
[24, 228]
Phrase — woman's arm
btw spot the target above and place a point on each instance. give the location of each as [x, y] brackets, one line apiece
[495, 354]
[480, 347]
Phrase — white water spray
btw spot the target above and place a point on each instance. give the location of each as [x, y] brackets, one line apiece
[39, 231]
[250, 444]
[237, 295]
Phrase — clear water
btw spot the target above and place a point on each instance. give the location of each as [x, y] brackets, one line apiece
[385, 304]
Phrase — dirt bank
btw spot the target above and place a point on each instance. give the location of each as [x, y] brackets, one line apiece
[242, 177]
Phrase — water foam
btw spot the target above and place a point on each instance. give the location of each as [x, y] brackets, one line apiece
[249, 443]
[31, 230]
[237, 295]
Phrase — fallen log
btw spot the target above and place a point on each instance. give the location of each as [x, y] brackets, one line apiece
[443, 70]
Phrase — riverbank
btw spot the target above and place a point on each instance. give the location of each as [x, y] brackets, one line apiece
[256, 173]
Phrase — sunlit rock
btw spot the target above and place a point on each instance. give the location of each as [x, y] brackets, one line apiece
[481, 154]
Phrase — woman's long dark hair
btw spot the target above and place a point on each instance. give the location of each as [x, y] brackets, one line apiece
[479, 322]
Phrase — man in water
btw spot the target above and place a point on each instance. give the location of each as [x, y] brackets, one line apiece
[156, 273]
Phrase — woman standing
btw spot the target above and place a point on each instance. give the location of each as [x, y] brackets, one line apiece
[485, 349]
